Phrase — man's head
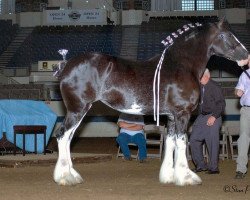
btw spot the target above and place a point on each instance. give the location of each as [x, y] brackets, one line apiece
[205, 78]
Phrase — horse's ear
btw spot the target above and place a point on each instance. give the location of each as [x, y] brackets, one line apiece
[222, 22]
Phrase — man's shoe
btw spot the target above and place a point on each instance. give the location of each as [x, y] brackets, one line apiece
[239, 175]
[213, 172]
[197, 170]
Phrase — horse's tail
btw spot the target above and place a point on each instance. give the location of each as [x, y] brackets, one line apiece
[60, 66]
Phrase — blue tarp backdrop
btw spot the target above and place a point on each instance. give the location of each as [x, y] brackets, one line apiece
[26, 112]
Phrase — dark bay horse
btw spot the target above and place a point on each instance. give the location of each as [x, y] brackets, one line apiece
[127, 86]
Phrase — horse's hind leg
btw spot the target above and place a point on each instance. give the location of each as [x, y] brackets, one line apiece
[64, 173]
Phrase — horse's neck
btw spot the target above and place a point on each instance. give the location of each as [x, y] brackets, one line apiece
[193, 55]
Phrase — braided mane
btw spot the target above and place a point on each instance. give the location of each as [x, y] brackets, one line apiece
[169, 40]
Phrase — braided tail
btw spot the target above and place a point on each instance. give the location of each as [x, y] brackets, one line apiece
[60, 66]
[58, 70]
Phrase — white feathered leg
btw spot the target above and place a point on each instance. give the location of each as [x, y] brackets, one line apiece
[182, 174]
[64, 173]
[167, 168]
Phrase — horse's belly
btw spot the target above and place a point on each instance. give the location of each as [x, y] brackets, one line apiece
[133, 108]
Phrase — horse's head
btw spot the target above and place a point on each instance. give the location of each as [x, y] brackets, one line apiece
[225, 44]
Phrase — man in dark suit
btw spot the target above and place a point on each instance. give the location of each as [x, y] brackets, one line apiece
[206, 127]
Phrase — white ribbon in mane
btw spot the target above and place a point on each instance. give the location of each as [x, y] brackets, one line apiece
[157, 78]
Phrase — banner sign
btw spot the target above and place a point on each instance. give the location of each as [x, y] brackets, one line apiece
[78, 16]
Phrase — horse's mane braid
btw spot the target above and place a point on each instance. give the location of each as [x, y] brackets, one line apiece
[170, 38]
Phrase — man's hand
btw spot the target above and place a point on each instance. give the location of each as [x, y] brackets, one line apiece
[239, 92]
[211, 120]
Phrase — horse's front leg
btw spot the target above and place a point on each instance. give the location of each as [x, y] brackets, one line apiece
[182, 174]
[64, 173]
[167, 168]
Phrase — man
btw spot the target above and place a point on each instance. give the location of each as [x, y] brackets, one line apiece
[131, 131]
[242, 90]
[207, 125]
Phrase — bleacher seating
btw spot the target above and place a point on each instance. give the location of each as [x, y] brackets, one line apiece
[45, 41]
[153, 32]
[22, 91]
[7, 33]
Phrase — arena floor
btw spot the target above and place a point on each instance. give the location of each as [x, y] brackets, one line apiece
[117, 179]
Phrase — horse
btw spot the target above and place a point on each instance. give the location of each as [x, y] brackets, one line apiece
[127, 86]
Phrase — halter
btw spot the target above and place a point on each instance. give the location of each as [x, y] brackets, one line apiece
[167, 43]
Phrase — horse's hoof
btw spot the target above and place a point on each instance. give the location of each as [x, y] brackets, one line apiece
[166, 176]
[188, 178]
[69, 180]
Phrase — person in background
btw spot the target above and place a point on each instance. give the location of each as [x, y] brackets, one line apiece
[242, 90]
[131, 131]
[207, 125]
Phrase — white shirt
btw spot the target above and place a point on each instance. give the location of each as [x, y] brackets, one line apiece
[135, 119]
[244, 85]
